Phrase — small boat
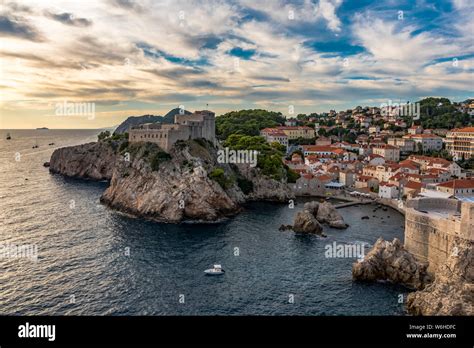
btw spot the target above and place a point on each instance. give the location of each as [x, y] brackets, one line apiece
[217, 270]
[8, 136]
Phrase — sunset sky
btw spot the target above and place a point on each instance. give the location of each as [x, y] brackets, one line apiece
[147, 57]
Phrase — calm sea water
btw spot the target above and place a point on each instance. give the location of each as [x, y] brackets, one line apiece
[83, 267]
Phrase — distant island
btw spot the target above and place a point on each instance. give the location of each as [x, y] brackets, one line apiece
[42, 128]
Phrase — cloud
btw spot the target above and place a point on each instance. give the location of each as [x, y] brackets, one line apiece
[18, 27]
[240, 53]
[389, 40]
[69, 19]
[327, 10]
[131, 5]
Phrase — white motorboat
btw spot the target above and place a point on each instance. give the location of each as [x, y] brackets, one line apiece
[217, 270]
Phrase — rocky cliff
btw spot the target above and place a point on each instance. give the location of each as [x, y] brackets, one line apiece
[390, 261]
[185, 184]
[94, 161]
[263, 188]
[171, 187]
[450, 293]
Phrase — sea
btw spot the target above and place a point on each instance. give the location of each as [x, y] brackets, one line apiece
[64, 253]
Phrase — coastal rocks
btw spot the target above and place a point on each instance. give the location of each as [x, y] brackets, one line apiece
[312, 207]
[313, 214]
[327, 213]
[94, 161]
[306, 222]
[390, 261]
[452, 292]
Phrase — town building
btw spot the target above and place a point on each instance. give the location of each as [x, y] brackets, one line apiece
[427, 142]
[387, 190]
[347, 177]
[460, 143]
[389, 152]
[364, 181]
[295, 132]
[273, 135]
[405, 145]
[457, 187]
[415, 130]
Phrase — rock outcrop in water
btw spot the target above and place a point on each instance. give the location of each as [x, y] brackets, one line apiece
[327, 213]
[306, 222]
[313, 214]
[186, 184]
[452, 292]
[390, 261]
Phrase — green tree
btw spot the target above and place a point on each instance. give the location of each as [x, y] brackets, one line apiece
[247, 122]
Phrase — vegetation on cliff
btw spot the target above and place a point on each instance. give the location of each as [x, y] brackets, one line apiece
[247, 122]
[269, 158]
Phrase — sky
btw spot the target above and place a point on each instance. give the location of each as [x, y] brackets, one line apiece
[90, 64]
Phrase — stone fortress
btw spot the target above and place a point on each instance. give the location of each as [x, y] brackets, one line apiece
[431, 224]
[200, 124]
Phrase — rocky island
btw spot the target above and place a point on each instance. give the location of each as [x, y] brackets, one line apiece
[309, 220]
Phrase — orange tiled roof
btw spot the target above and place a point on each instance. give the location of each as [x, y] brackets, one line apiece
[459, 184]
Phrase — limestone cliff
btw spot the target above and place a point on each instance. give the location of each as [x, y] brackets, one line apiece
[390, 261]
[186, 184]
[88, 161]
[172, 187]
[264, 188]
[452, 292]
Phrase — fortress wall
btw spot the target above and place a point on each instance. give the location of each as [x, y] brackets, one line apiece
[198, 125]
[181, 133]
[467, 221]
[429, 236]
[428, 204]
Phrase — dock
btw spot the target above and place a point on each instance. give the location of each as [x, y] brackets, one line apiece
[353, 203]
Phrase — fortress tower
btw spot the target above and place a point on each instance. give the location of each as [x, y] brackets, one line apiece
[200, 124]
[431, 224]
